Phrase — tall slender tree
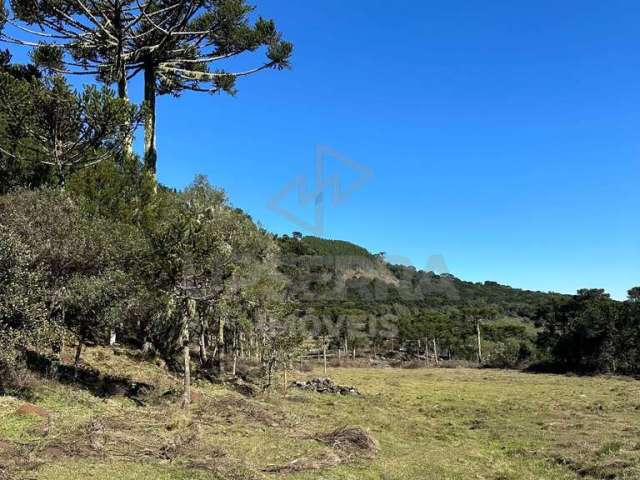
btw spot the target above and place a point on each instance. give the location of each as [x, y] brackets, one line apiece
[178, 44]
[172, 43]
[75, 37]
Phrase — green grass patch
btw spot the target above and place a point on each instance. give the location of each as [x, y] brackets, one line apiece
[430, 424]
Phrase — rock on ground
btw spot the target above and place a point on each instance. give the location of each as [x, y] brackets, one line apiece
[325, 385]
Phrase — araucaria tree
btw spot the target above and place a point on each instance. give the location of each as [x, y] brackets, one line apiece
[49, 123]
[176, 45]
[180, 43]
[75, 37]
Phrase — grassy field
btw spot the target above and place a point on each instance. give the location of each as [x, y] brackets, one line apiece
[429, 424]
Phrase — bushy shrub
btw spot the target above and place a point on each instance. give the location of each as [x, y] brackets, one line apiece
[511, 352]
[23, 315]
[79, 258]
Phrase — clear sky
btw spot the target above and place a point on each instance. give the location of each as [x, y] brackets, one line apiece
[502, 135]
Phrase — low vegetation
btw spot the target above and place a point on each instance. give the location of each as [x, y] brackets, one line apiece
[420, 423]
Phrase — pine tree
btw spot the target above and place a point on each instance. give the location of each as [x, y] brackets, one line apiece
[177, 44]
[55, 126]
[174, 44]
[75, 37]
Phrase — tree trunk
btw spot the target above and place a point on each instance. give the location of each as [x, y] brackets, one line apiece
[324, 357]
[479, 342]
[354, 353]
[57, 348]
[426, 351]
[235, 353]
[147, 347]
[285, 379]
[203, 341]
[203, 350]
[220, 341]
[235, 363]
[78, 353]
[186, 397]
[270, 371]
[112, 337]
[61, 177]
[150, 154]
[122, 85]
[127, 147]
[435, 352]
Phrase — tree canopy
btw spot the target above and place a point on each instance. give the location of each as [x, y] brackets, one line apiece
[176, 45]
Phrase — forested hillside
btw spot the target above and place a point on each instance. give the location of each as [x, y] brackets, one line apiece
[357, 300]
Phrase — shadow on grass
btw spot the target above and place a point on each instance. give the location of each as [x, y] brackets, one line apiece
[556, 368]
[101, 385]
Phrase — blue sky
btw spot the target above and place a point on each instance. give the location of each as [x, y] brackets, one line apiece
[504, 136]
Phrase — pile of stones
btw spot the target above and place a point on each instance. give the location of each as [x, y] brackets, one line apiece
[324, 385]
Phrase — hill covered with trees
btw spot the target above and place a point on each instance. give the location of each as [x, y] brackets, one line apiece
[357, 299]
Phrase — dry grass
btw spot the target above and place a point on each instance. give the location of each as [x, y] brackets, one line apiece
[352, 441]
[444, 424]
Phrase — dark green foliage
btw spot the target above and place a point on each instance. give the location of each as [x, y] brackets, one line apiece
[22, 286]
[114, 262]
[66, 240]
[92, 304]
[27, 72]
[229, 32]
[113, 252]
[634, 294]
[509, 342]
[119, 191]
[82, 258]
[23, 313]
[357, 295]
[47, 123]
[48, 58]
[17, 170]
[309, 245]
[589, 332]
